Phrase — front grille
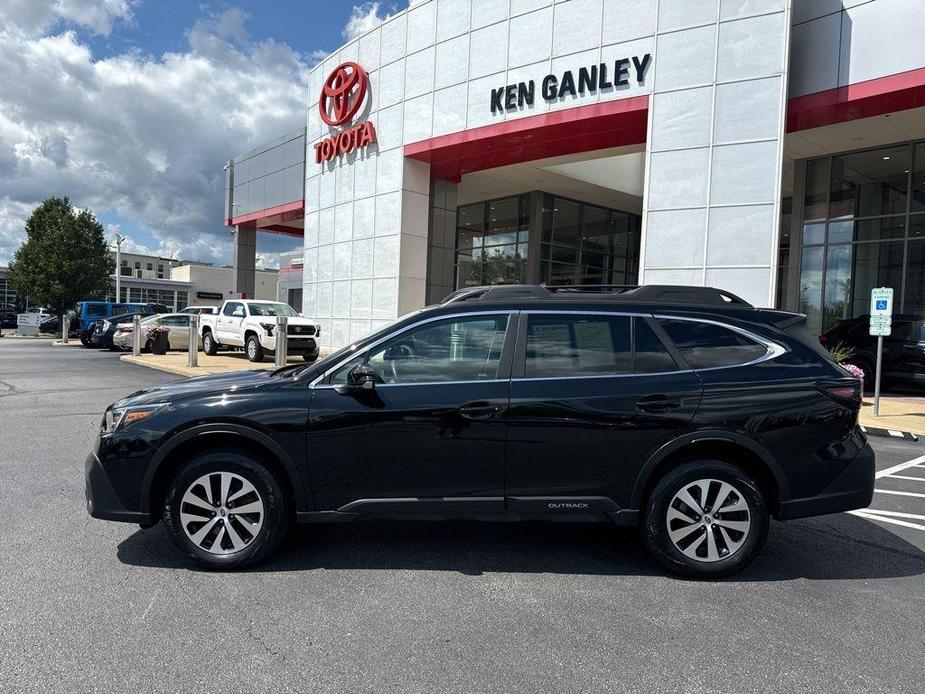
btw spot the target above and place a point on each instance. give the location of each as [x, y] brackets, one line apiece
[300, 329]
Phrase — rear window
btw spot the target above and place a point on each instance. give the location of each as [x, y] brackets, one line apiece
[707, 346]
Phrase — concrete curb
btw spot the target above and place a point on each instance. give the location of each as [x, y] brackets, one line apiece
[890, 433]
[169, 368]
[70, 343]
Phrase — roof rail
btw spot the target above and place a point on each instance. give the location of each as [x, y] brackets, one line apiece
[651, 293]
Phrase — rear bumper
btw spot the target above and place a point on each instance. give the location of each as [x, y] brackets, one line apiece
[852, 488]
[102, 500]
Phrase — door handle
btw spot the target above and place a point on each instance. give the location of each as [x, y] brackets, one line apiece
[658, 403]
[480, 410]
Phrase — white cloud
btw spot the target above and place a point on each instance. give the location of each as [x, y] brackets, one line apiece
[144, 136]
[38, 15]
[364, 17]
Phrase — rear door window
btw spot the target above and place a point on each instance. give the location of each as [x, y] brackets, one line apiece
[708, 346]
[651, 355]
[577, 345]
[94, 310]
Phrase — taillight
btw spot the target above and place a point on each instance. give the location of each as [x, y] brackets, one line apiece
[823, 340]
[845, 391]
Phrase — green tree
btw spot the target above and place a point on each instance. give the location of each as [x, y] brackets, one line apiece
[64, 259]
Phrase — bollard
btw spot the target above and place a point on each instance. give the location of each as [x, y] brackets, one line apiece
[282, 341]
[193, 359]
[136, 335]
[65, 328]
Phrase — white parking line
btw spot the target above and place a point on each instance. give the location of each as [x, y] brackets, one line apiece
[885, 519]
[891, 491]
[906, 477]
[897, 514]
[915, 462]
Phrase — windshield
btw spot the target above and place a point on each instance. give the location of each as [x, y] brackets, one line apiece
[272, 309]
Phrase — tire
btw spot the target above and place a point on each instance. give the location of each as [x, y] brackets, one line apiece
[85, 340]
[310, 357]
[271, 520]
[731, 549]
[253, 349]
[209, 345]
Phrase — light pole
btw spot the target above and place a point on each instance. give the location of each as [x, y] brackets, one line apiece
[119, 239]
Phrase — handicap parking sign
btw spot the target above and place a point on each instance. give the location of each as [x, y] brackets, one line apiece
[881, 301]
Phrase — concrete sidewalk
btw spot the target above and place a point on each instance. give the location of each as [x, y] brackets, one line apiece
[175, 362]
[897, 412]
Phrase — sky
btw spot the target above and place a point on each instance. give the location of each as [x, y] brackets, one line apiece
[132, 107]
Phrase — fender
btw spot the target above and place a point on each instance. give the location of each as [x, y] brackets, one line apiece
[246, 432]
[705, 436]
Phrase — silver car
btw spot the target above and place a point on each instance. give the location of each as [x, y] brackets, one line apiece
[176, 323]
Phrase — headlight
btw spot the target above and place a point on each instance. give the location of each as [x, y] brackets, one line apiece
[269, 328]
[117, 418]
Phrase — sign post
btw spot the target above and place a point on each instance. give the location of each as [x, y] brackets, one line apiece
[881, 320]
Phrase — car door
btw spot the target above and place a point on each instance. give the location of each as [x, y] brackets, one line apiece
[179, 331]
[229, 323]
[592, 395]
[429, 437]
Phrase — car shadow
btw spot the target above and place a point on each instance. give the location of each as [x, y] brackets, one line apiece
[834, 547]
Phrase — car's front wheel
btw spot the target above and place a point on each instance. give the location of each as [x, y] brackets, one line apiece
[225, 510]
[705, 519]
[209, 345]
[253, 348]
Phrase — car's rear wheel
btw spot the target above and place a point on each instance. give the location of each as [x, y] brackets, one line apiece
[225, 510]
[209, 345]
[310, 357]
[253, 348]
[705, 519]
[85, 340]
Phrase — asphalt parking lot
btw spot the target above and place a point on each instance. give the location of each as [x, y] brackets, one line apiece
[833, 604]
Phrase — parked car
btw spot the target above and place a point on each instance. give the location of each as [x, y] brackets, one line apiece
[177, 336]
[106, 329]
[83, 318]
[7, 316]
[199, 310]
[251, 325]
[903, 362]
[683, 411]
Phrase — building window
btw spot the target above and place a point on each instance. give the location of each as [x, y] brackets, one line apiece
[491, 242]
[137, 264]
[124, 263]
[863, 227]
[587, 244]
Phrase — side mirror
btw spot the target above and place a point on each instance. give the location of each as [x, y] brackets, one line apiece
[361, 378]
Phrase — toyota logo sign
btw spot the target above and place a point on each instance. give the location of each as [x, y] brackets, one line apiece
[343, 93]
[342, 96]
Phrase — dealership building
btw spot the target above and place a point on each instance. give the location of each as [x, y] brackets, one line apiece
[775, 149]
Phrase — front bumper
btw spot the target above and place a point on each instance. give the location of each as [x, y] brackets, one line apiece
[294, 345]
[102, 500]
[852, 488]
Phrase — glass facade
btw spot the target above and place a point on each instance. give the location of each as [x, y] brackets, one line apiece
[174, 299]
[579, 243]
[863, 226]
[7, 295]
[587, 244]
[491, 242]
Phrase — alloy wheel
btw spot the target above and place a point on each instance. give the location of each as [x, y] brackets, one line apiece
[221, 513]
[252, 349]
[708, 520]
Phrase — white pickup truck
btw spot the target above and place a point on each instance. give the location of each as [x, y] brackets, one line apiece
[251, 325]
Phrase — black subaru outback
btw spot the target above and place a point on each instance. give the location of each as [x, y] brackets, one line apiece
[684, 411]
